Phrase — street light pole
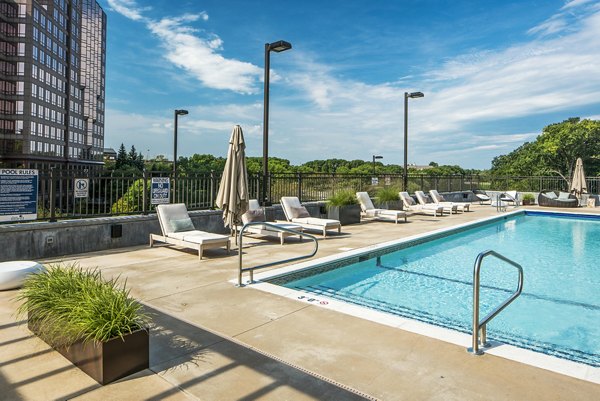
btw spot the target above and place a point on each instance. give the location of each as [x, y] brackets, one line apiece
[375, 158]
[277, 47]
[407, 95]
[176, 114]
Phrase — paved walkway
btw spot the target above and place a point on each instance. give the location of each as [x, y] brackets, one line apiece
[213, 341]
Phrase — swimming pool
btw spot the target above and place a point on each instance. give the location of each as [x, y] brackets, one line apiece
[430, 280]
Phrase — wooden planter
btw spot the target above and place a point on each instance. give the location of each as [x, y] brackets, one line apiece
[108, 361]
[348, 214]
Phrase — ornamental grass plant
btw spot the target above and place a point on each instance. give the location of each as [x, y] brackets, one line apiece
[343, 198]
[388, 194]
[66, 304]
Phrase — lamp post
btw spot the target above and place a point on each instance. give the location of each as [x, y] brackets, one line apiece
[177, 113]
[276, 47]
[412, 95]
[375, 158]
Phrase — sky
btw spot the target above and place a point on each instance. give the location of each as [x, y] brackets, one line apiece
[494, 74]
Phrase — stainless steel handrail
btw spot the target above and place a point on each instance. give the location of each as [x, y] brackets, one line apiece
[479, 327]
[276, 228]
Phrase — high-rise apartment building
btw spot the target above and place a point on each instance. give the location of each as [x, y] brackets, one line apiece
[52, 79]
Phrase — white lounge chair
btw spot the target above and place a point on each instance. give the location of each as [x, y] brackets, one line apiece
[510, 197]
[482, 196]
[256, 214]
[411, 206]
[297, 214]
[177, 229]
[439, 199]
[366, 205]
[448, 208]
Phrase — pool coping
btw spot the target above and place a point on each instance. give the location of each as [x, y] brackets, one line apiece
[562, 366]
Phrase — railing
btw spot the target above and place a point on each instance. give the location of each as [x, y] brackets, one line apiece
[479, 338]
[121, 194]
[273, 227]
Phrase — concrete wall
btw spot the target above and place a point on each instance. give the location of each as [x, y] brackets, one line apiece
[39, 240]
[44, 240]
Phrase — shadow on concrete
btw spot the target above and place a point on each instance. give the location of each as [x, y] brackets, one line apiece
[174, 344]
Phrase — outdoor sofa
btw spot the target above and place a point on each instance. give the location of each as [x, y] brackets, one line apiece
[557, 199]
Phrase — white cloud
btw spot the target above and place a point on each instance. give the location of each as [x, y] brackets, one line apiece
[575, 3]
[198, 56]
[194, 51]
[128, 8]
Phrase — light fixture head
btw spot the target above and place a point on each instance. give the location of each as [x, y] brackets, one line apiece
[181, 112]
[377, 157]
[415, 94]
[280, 46]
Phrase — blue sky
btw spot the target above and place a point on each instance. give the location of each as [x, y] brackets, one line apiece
[494, 73]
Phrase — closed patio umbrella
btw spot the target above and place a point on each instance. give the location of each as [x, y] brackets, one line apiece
[578, 185]
[232, 197]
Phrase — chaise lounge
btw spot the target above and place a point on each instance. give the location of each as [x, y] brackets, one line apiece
[439, 199]
[411, 206]
[256, 214]
[447, 207]
[366, 205]
[178, 229]
[297, 214]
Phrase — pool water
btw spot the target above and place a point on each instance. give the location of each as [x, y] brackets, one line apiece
[558, 312]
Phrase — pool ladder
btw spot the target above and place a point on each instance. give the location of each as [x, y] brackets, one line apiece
[273, 227]
[479, 338]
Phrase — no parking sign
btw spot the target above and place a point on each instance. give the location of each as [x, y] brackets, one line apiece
[81, 187]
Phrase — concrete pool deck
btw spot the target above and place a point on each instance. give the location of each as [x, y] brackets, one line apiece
[213, 341]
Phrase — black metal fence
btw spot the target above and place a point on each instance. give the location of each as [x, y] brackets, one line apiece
[118, 194]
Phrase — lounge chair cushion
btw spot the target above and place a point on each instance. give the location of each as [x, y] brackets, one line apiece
[181, 225]
[550, 195]
[299, 212]
[253, 215]
[316, 221]
[198, 237]
[563, 195]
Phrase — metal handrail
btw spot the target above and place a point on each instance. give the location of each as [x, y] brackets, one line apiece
[276, 228]
[479, 327]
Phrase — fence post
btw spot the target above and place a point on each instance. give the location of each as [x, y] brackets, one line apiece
[144, 191]
[300, 186]
[212, 189]
[52, 196]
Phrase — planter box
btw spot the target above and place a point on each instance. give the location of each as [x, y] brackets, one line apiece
[349, 214]
[111, 360]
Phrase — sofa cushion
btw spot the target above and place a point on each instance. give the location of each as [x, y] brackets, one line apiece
[181, 225]
[253, 215]
[550, 195]
[299, 212]
[563, 195]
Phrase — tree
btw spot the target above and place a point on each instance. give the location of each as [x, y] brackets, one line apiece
[121, 157]
[555, 150]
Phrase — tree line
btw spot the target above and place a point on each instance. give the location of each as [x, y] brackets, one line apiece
[554, 152]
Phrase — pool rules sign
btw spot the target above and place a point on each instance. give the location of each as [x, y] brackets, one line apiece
[18, 194]
[160, 189]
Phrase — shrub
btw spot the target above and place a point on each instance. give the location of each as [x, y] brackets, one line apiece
[67, 304]
[388, 194]
[342, 198]
[528, 197]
